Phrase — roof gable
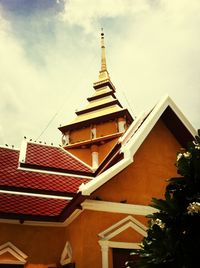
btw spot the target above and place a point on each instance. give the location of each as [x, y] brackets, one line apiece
[167, 110]
[137, 133]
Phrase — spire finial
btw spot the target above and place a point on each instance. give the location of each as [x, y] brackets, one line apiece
[103, 74]
[103, 56]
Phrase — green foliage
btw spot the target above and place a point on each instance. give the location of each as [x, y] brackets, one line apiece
[173, 235]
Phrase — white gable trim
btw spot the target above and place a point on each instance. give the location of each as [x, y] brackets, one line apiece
[116, 229]
[108, 233]
[15, 252]
[150, 122]
[66, 256]
[129, 147]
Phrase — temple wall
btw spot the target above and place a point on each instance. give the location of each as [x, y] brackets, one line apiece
[42, 245]
[80, 135]
[83, 236]
[106, 128]
[146, 177]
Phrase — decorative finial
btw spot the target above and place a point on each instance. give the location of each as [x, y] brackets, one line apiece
[103, 74]
[103, 56]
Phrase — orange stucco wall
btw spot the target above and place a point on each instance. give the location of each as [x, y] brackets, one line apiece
[84, 134]
[80, 135]
[106, 128]
[7, 256]
[146, 177]
[43, 245]
[104, 149]
[83, 236]
[82, 153]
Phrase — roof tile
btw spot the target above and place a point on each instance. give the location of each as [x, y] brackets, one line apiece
[29, 205]
[10, 175]
[51, 156]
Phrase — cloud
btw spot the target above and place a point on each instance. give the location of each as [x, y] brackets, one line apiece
[87, 14]
[156, 43]
[38, 78]
[48, 63]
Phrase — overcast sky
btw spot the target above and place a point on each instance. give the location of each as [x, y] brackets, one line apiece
[50, 57]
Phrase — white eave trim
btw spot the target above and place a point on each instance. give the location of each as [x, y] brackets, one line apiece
[115, 207]
[36, 195]
[49, 172]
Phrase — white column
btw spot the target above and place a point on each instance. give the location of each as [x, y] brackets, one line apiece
[93, 132]
[65, 138]
[95, 156]
[104, 254]
[121, 124]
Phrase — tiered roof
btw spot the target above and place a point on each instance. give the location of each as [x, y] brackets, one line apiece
[103, 104]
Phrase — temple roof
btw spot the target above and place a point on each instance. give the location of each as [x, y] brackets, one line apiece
[51, 158]
[29, 192]
[35, 194]
[30, 205]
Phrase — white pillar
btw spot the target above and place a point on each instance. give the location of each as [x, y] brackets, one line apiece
[121, 124]
[65, 138]
[93, 132]
[104, 254]
[95, 156]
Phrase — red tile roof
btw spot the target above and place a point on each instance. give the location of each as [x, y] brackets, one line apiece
[29, 205]
[53, 157]
[12, 176]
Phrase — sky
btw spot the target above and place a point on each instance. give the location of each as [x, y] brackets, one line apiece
[50, 57]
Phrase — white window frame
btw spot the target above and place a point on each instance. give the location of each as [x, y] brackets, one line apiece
[15, 252]
[115, 229]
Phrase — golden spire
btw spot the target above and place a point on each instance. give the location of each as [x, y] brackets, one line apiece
[103, 56]
[103, 74]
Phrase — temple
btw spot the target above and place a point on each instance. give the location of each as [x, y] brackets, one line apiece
[84, 204]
